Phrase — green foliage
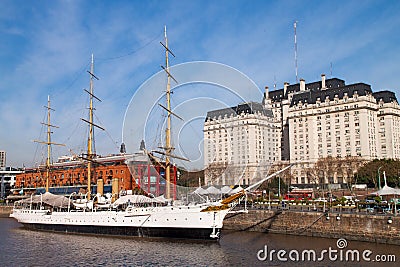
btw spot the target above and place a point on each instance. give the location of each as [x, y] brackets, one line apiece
[377, 199]
[190, 178]
[368, 174]
[273, 186]
[342, 201]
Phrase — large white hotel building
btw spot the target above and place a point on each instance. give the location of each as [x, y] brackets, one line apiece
[240, 143]
[303, 122]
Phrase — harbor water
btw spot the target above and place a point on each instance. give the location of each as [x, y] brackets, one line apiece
[21, 247]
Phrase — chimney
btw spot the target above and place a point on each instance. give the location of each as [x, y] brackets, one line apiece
[285, 86]
[266, 93]
[122, 150]
[323, 81]
[302, 85]
[142, 145]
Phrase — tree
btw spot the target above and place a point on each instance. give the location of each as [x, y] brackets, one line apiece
[313, 173]
[214, 172]
[349, 169]
[190, 178]
[368, 174]
[273, 184]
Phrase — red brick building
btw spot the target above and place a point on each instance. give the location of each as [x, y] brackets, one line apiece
[74, 172]
[132, 172]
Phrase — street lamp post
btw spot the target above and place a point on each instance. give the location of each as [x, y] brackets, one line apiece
[379, 178]
[279, 186]
[2, 188]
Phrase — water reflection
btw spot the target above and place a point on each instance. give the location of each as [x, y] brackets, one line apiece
[20, 247]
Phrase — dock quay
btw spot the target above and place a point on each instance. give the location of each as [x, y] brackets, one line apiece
[377, 228]
[5, 211]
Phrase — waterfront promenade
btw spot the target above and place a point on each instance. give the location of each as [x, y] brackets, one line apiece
[309, 220]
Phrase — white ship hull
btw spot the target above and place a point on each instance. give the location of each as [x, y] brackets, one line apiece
[164, 221]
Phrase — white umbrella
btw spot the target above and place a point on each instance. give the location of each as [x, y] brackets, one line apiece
[226, 189]
[386, 190]
[200, 191]
[213, 190]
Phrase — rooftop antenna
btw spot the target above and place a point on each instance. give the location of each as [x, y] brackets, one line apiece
[274, 82]
[295, 50]
[331, 69]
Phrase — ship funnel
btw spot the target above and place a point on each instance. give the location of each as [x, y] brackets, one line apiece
[115, 189]
[100, 186]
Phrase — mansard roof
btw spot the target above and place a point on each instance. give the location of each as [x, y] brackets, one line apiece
[386, 96]
[247, 108]
[334, 87]
[278, 95]
[329, 83]
[310, 97]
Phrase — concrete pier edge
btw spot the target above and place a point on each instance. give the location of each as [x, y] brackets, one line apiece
[383, 229]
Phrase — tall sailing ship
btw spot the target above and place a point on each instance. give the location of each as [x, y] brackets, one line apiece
[128, 214]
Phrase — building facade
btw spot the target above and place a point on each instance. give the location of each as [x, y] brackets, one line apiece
[240, 143]
[2, 159]
[323, 122]
[329, 119]
[70, 171]
[124, 172]
[8, 179]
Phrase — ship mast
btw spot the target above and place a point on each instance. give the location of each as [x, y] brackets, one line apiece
[90, 150]
[48, 142]
[91, 132]
[168, 148]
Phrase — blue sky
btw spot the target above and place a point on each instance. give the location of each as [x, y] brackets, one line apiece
[45, 49]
